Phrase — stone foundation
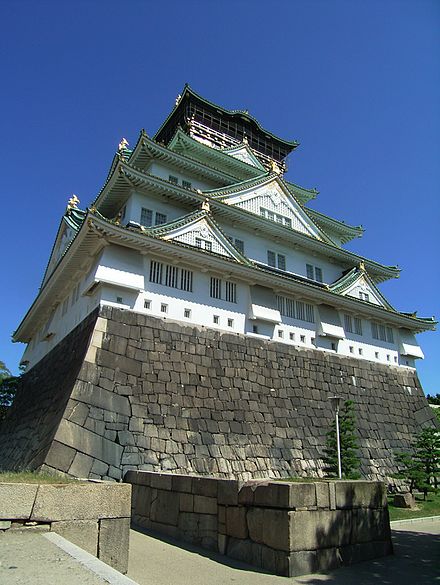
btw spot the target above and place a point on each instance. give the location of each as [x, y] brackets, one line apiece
[94, 516]
[126, 391]
[286, 528]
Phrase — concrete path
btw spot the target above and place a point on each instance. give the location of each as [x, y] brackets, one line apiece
[32, 557]
[161, 562]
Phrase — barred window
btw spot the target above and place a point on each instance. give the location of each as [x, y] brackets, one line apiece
[174, 277]
[172, 179]
[171, 276]
[186, 184]
[374, 330]
[231, 292]
[186, 280]
[282, 219]
[204, 244]
[358, 325]
[390, 335]
[348, 323]
[296, 309]
[215, 288]
[156, 269]
[146, 217]
[160, 218]
[382, 332]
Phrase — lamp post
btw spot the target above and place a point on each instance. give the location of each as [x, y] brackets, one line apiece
[336, 402]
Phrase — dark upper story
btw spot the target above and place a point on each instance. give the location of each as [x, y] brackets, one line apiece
[224, 128]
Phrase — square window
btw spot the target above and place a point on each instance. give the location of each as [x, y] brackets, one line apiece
[271, 258]
[147, 304]
[146, 217]
[281, 261]
[119, 299]
[292, 336]
[230, 322]
[163, 308]
[302, 338]
[280, 333]
[161, 218]
[216, 319]
[187, 313]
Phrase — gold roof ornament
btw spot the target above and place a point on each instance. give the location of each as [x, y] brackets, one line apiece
[178, 98]
[362, 266]
[275, 168]
[123, 144]
[206, 206]
[73, 202]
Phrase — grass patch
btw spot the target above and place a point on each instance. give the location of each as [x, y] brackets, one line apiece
[33, 477]
[428, 507]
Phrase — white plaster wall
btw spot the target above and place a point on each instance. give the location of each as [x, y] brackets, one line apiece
[156, 204]
[165, 171]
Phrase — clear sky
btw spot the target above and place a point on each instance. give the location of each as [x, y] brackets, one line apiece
[357, 83]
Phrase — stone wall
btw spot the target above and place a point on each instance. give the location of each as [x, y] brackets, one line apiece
[146, 393]
[94, 516]
[286, 528]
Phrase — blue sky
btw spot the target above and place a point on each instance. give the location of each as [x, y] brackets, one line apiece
[357, 83]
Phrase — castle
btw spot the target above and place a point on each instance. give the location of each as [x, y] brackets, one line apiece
[197, 245]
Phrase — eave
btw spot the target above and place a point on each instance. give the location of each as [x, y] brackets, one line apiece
[344, 231]
[126, 179]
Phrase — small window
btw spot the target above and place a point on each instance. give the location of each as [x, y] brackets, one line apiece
[309, 269]
[333, 346]
[318, 274]
[351, 349]
[146, 217]
[281, 261]
[208, 246]
[388, 357]
[186, 184]
[271, 258]
[216, 319]
[302, 338]
[163, 308]
[147, 304]
[361, 351]
[230, 322]
[376, 355]
[239, 244]
[119, 300]
[161, 218]
[395, 359]
[215, 291]
[312, 340]
[187, 313]
[280, 333]
[292, 336]
[172, 179]
[254, 328]
[231, 291]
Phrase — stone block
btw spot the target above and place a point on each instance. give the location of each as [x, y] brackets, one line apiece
[83, 533]
[124, 364]
[82, 501]
[186, 502]
[161, 481]
[165, 508]
[285, 495]
[313, 561]
[89, 443]
[60, 456]
[205, 505]
[114, 536]
[322, 495]
[269, 527]
[17, 500]
[205, 486]
[404, 500]
[236, 525]
[96, 396]
[5, 524]
[81, 465]
[227, 492]
[76, 412]
[316, 529]
[360, 494]
[182, 483]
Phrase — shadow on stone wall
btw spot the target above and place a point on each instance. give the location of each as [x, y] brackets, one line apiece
[28, 430]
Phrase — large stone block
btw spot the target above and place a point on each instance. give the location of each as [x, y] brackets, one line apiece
[236, 524]
[81, 501]
[17, 500]
[113, 547]
[165, 508]
[83, 533]
[270, 527]
[360, 494]
[60, 456]
[96, 396]
[309, 530]
[89, 443]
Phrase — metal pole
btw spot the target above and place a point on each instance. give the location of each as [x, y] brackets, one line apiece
[338, 443]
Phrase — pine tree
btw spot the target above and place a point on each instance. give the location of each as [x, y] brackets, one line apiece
[350, 462]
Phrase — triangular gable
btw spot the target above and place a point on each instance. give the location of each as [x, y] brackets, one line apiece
[359, 285]
[273, 201]
[200, 231]
[69, 226]
[245, 154]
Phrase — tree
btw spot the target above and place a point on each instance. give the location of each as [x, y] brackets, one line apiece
[433, 399]
[350, 462]
[421, 468]
[8, 389]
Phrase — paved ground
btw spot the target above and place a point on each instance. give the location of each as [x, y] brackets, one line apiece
[416, 562]
[30, 558]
